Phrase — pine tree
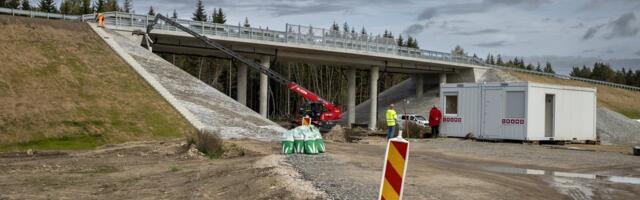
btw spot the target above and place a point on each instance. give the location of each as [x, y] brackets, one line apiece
[200, 14]
[246, 22]
[65, 7]
[410, 42]
[488, 60]
[400, 41]
[3, 3]
[127, 6]
[458, 51]
[499, 61]
[415, 43]
[221, 18]
[345, 27]
[214, 15]
[26, 5]
[151, 12]
[538, 68]
[13, 4]
[47, 6]
[335, 27]
[175, 14]
[363, 31]
[386, 33]
[85, 7]
[548, 68]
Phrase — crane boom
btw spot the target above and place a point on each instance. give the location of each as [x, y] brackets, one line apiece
[334, 111]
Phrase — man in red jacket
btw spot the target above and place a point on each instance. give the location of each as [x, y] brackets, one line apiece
[435, 117]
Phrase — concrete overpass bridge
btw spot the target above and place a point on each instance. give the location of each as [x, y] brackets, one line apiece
[306, 44]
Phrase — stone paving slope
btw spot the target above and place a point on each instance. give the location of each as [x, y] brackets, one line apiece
[211, 107]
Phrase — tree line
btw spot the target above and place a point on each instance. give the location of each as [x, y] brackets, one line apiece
[513, 63]
[70, 7]
[604, 72]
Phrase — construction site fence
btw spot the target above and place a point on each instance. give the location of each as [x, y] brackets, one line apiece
[297, 34]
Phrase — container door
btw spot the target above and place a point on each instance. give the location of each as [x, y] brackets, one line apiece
[493, 105]
[549, 115]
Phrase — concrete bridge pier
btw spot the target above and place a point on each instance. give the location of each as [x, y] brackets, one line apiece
[373, 77]
[443, 78]
[242, 83]
[264, 86]
[351, 96]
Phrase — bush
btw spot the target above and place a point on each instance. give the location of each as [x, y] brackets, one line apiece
[415, 130]
[208, 143]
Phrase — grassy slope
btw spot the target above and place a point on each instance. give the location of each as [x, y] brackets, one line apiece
[623, 101]
[61, 87]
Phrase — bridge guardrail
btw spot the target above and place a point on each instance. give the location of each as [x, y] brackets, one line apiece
[297, 34]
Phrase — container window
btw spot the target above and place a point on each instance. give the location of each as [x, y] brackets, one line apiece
[451, 104]
[515, 104]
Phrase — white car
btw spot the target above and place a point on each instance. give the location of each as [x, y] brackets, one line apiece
[413, 118]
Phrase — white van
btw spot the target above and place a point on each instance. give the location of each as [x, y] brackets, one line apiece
[413, 118]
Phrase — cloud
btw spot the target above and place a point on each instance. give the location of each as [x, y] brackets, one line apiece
[415, 29]
[591, 32]
[624, 26]
[621, 27]
[492, 44]
[638, 53]
[478, 32]
[480, 7]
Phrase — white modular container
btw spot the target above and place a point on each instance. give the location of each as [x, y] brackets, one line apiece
[518, 111]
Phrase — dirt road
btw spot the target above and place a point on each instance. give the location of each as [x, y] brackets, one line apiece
[438, 169]
[150, 170]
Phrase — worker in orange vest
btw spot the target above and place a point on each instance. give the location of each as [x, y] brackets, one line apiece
[435, 117]
[100, 19]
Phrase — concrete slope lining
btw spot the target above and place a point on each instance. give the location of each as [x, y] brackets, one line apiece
[205, 107]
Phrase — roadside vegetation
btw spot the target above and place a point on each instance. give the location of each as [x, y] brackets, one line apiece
[62, 87]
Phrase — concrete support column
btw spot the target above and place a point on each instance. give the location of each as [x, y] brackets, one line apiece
[242, 83]
[264, 87]
[351, 96]
[443, 78]
[373, 78]
[419, 79]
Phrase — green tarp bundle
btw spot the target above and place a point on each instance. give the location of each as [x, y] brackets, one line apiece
[303, 139]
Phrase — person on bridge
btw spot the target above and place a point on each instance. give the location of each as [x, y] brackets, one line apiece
[100, 19]
[435, 117]
[391, 121]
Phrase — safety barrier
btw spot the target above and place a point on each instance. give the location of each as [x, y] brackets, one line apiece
[395, 167]
[298, 34]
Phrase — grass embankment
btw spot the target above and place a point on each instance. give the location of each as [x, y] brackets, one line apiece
[620, 100]
[62, 87]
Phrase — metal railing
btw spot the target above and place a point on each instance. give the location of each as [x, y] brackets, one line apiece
[297, 34]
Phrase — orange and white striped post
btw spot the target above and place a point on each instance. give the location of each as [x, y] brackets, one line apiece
[395, 168]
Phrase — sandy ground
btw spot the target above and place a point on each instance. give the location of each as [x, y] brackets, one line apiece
[438, 169]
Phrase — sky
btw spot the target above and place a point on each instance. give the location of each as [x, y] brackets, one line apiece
[593, 29]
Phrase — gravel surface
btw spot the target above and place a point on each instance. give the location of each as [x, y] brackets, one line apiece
[614, 128]
[327, 176]
[212, 107]
[525, 154]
